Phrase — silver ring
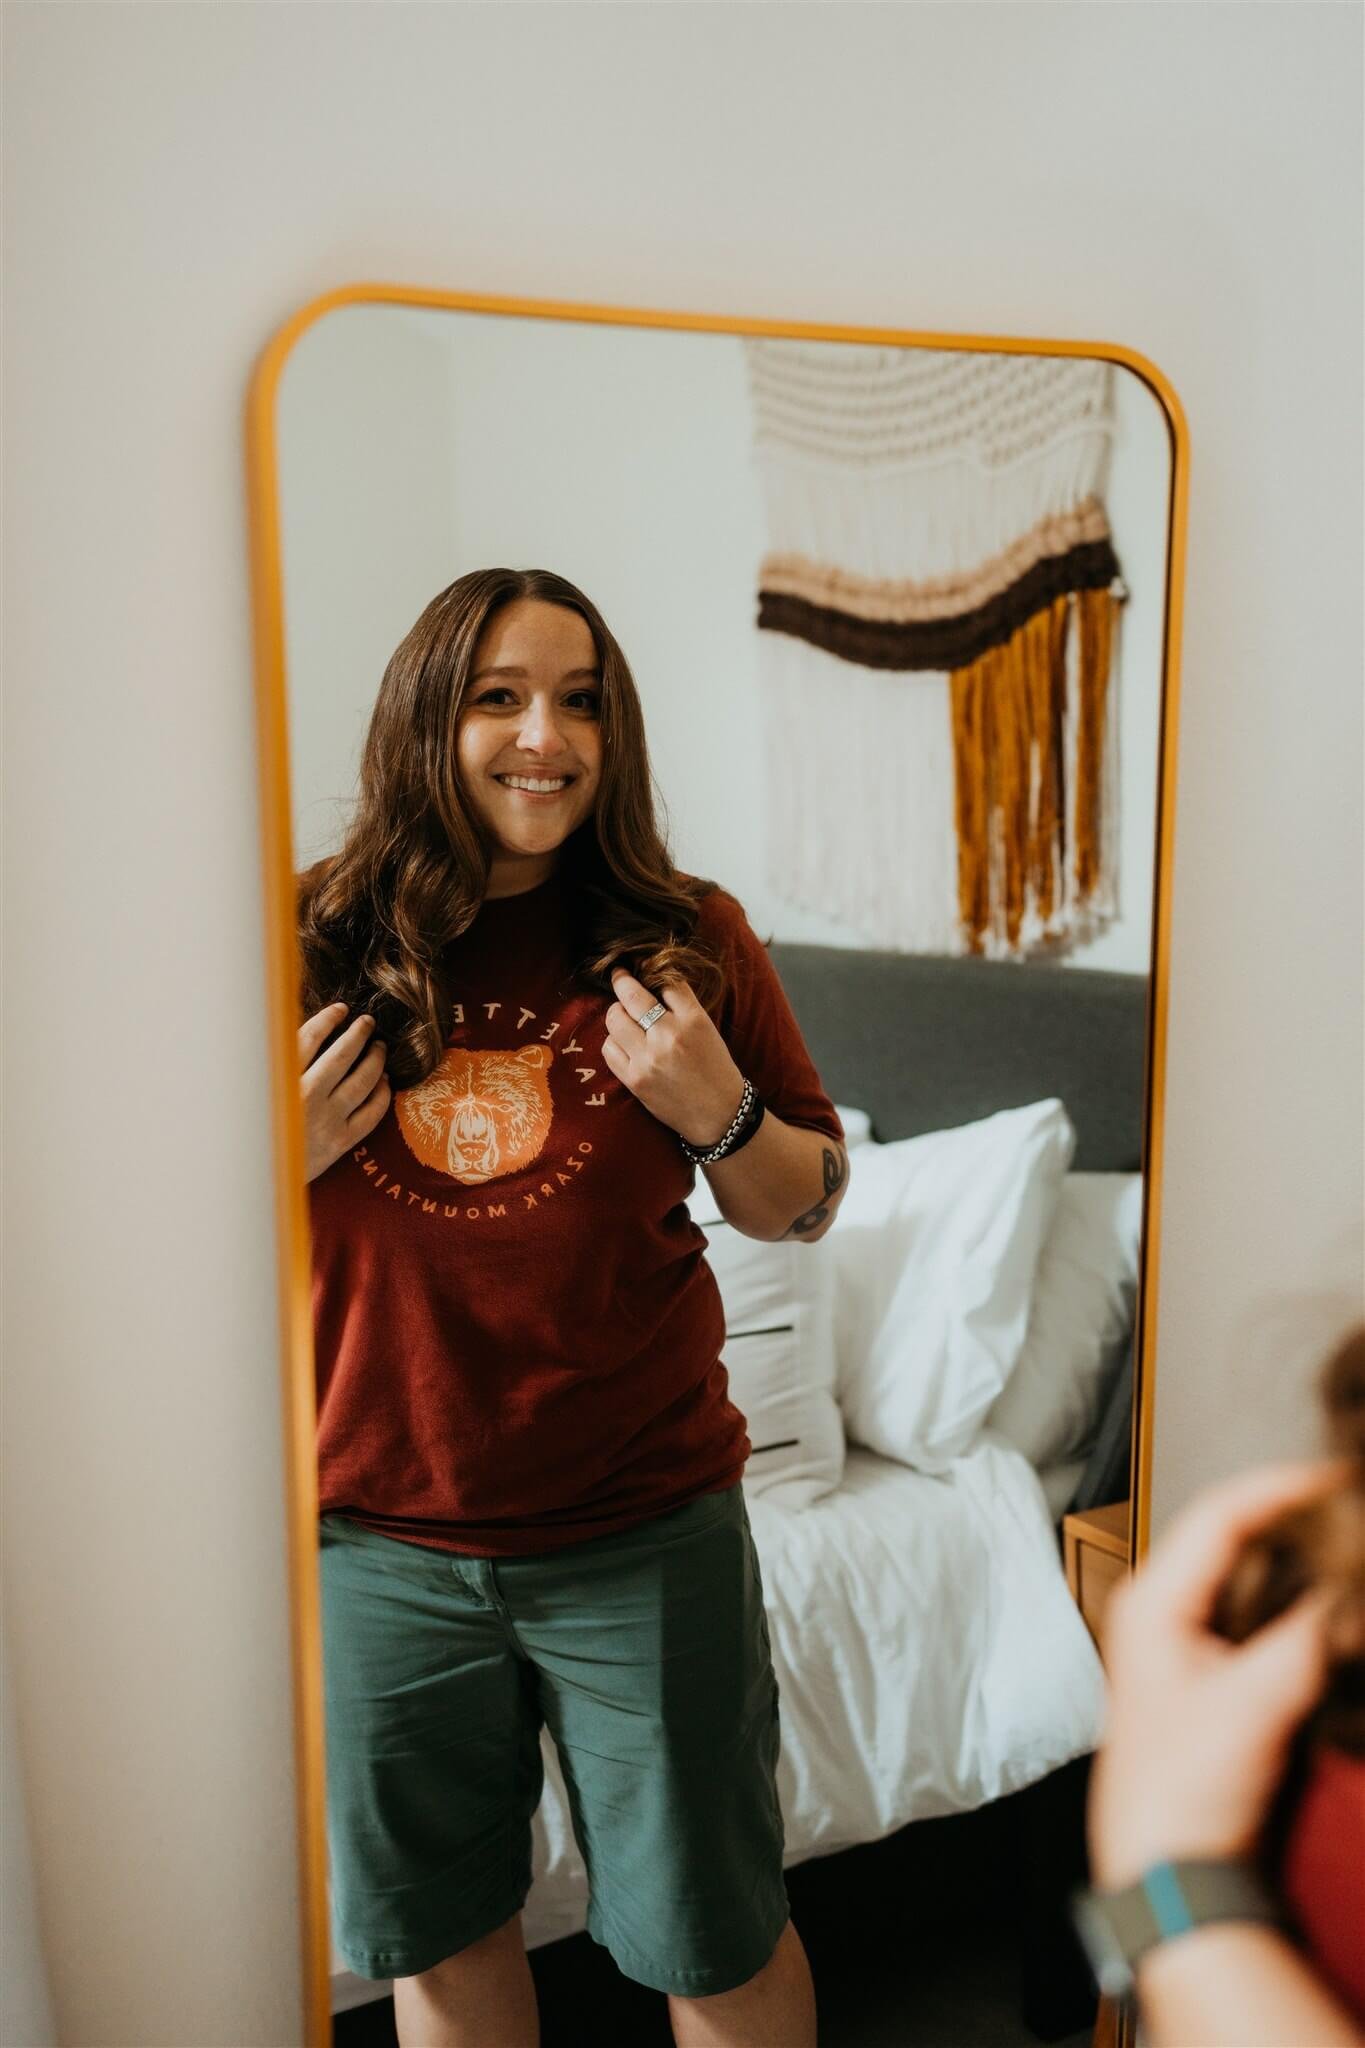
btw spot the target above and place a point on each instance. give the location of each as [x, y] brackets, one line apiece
[652, 1016]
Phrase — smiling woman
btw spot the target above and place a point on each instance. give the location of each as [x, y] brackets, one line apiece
[518, 1339]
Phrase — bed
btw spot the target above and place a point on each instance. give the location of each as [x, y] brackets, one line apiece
[928, 1655]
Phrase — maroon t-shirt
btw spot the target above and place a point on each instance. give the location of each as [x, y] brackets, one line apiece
[1323, 1873]
[517, 1334]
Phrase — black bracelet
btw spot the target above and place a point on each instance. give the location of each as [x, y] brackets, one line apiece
[745, 1122]
[750, 1130]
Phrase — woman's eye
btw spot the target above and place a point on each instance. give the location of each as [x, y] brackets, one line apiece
[498, 695]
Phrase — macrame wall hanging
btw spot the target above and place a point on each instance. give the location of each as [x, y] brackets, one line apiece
[937, 617]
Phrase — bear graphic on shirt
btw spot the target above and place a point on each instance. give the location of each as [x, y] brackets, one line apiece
[481, 1114]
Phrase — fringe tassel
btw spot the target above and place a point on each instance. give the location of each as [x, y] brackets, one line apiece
[1034, 779]
[1093, 613]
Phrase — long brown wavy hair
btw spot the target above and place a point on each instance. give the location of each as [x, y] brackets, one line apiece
[375, 918]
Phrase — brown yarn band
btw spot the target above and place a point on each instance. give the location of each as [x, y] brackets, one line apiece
[940, 643]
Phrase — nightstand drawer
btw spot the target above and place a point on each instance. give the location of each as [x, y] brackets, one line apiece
[1097, 1576]
[1095, 1544]
[1095, 1548]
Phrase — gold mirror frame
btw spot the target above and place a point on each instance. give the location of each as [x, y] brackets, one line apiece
[299, 1411]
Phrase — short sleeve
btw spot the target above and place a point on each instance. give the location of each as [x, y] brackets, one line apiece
[757, 1023]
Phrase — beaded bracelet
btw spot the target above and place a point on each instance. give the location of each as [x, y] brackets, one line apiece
[737, 1135]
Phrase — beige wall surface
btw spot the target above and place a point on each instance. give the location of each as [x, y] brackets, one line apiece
[177, 180]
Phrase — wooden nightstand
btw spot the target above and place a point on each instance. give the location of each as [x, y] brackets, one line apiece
[1095, 1548]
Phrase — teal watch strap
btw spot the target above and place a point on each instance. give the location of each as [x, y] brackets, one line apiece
[1183, 1896]
[1170, 1899]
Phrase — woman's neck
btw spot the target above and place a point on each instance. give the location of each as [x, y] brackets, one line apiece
[519, 875]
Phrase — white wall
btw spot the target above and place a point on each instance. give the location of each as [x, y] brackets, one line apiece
[176, 181]
[364, 546]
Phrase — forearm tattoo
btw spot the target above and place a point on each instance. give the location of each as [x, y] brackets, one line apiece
[834, 1165]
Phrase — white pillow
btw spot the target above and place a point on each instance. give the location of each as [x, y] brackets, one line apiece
[779, 1352]
[1080, 1321]
[857, 1126]
[936, 1244]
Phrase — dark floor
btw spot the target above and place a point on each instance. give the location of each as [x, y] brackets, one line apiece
[949, 1934]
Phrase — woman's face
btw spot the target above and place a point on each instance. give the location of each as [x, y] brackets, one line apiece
[531, 714]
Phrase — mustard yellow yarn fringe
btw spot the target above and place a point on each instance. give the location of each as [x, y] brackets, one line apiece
[1029, 775]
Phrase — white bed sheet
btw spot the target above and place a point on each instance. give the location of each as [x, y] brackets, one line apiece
[928, 1655]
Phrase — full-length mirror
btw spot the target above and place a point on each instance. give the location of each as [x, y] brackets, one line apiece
[725, 781]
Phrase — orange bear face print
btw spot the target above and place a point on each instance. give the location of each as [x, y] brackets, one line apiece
[481, 1114]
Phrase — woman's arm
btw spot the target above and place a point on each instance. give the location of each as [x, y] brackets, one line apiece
[1238, 1986]
[786, 1181]
[1197, 1737]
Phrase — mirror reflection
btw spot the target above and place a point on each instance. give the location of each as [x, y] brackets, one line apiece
[724, 785]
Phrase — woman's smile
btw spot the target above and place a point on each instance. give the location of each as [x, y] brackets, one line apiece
[540, 788]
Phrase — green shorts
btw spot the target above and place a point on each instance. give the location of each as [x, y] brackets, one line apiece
[645, 1653]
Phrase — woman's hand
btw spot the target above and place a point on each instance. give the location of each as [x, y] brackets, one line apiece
[1199, 1728]
[344, 1093]
[680, 1068]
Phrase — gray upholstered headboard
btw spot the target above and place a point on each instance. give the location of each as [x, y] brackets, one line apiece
[924, 1043]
